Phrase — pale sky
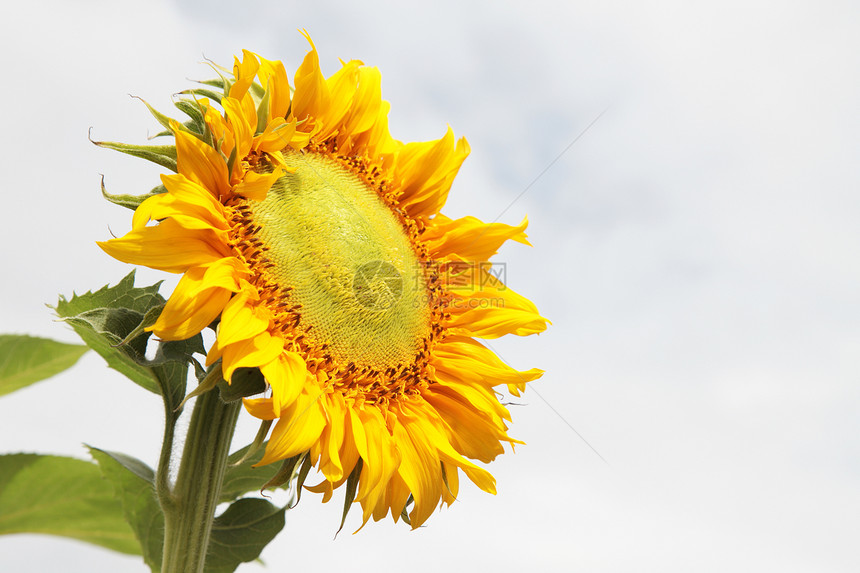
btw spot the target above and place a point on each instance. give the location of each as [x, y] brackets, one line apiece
[697, 249]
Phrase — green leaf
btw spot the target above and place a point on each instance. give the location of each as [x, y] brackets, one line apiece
[170, 367]
[243, 478]
[123, 295]
[61, 496]
[241, 532]
[108, 319]
[132, 482]
[150, 318]
[172, 377]
[103, 329]
[245, 382]
[131, 201]
[26, 359]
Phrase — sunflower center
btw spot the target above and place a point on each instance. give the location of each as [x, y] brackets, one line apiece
[348, 261]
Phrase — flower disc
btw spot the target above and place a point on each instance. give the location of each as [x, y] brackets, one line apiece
[348, 261]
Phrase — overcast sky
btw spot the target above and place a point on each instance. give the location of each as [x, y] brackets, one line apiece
[696, 249]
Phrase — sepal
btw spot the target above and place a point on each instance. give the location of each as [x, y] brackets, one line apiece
[254, 447]
[203, 92]
[131, 201]
[197, 123]
[164, 155]
[351, 490]
[285, 474]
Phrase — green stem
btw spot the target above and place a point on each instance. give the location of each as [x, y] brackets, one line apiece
[162, 476]
[189, 514]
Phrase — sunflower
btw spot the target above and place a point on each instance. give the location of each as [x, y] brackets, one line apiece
[317, 241]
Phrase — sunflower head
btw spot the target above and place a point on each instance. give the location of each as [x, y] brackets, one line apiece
[317, 242]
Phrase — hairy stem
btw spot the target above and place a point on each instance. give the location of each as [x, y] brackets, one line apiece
[162, 475]
[190, 509]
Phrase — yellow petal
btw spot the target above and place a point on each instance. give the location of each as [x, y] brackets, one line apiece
[422, 419]
[366, 102]
[167, 247]
[262, 408]
[257, 351]
[197, 300]
[298, 428]
[286, 375]
[341, 87]
[278, 135]
[462, 359]
[472, 432]
[470, 238]
[493, 309]
[494, 320]
[188, 204]
[242, 126]
[244, 73]
[377, 142]
[256, 186]
[273, 77]
[381, 459]
[201, 163]
[332, 437]
[312, 95]
[419, 468]
[243, 319]
[425, 172]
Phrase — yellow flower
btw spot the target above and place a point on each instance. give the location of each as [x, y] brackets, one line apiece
[317, 239]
